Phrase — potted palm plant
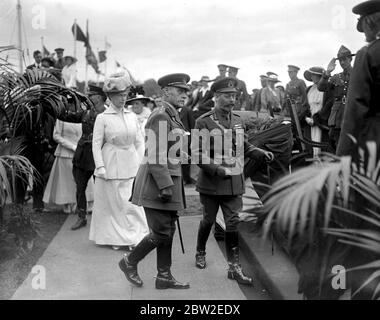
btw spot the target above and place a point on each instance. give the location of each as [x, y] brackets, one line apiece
[329, 215]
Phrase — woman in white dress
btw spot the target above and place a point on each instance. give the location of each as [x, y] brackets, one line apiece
[315, 100]
[61, 187]
[138, 106]
[118, 148]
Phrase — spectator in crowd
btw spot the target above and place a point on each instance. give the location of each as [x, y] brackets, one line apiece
[61, 188]
[118, 148]
[315, 100]
[257, 102]
[60, 61]
[69, 72]
[339, 84]
[296, 93]
[138, 105]
[201, 100]
[222, 68]
[270, 100]
[37, 55]
[242, 96]
[281, 93]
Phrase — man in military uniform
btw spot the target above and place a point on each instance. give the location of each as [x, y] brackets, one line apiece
[221, 181]
[222, 71]
[362, 115]
[60, 61]
[296, 92]
[242, 99]
[338, 84]
[158, 185]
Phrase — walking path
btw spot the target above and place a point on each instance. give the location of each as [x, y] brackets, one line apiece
[76, 268]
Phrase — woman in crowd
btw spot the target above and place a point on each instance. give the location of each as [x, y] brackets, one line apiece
[118, 148]
[61, 187]
[315, 99]
[139, 106]
[69, 72]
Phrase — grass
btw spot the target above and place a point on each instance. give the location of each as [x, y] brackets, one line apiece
[15, 268]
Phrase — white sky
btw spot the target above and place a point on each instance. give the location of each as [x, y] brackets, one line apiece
[153, 38]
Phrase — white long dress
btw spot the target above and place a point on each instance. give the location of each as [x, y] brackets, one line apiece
[61, 187]
[315, 99]
[118, 146]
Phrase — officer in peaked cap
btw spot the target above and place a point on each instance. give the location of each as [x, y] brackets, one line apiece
[222, 68]
[220, 181]
[158, 185]
[242, 99]
[60, 61]
[337, 85]
[295, 93]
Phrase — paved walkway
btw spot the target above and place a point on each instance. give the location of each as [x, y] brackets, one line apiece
[78, 269]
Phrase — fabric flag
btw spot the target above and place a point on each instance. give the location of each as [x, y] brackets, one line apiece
[80, 35]
[118, 65]
[102, 56]
[91, 59]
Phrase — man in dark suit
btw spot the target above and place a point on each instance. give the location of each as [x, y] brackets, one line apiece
[158, 184]
[219, 147]
[202, 102]
[37, 60]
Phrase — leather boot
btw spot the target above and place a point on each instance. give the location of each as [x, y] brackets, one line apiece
[130, 271]
[204, 230]
[165, 280]
[129, 262]
[200, 259]
[235, 271]
[82, 221]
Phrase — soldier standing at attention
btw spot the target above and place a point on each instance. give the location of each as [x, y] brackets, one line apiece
[158, 185]
[296, 91]
[221, 180]
[338, 84]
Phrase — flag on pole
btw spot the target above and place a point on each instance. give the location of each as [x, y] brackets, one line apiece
[79, 34]
[118, 65]
[46, 52]
[102, 56]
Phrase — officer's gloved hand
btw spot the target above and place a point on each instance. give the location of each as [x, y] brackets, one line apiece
[261, 155]
[166, 194]
[223, 172]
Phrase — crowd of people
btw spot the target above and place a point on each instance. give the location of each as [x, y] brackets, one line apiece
[102, 163]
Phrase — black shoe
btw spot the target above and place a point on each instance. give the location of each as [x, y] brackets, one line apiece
[81, 222]
[235, 272]
[165, 280]
[200, 259]
[130, 271]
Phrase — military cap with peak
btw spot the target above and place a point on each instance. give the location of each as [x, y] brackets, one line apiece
[344, 53]
[177, 80]
[225, 85]
[59, 50]
[231, 68]
[365, 9]
[222, 66]
[293, 68]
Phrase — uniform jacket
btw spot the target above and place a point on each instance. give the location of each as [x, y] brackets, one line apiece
[208, 181]
[67, 136]
[338, 84]
[187, 117]
[296, 92]
[160, 168]
[83, 157]
[242, 99]
[270, 100]
[117, 144]
[362, 116]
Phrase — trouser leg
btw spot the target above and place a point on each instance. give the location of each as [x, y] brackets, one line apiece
[210, 210]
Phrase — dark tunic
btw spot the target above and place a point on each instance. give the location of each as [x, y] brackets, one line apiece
[362, 115]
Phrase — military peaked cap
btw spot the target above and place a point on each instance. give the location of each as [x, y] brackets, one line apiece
[225, 85]
[177, 80]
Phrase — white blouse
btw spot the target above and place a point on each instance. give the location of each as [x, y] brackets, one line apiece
[315, 99]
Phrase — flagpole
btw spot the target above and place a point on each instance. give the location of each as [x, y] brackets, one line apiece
[20, 53]
[42, 46]
[75, 38]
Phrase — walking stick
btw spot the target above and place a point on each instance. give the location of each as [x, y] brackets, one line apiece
[180, 236]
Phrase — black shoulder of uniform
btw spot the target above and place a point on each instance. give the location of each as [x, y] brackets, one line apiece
[207, 114]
